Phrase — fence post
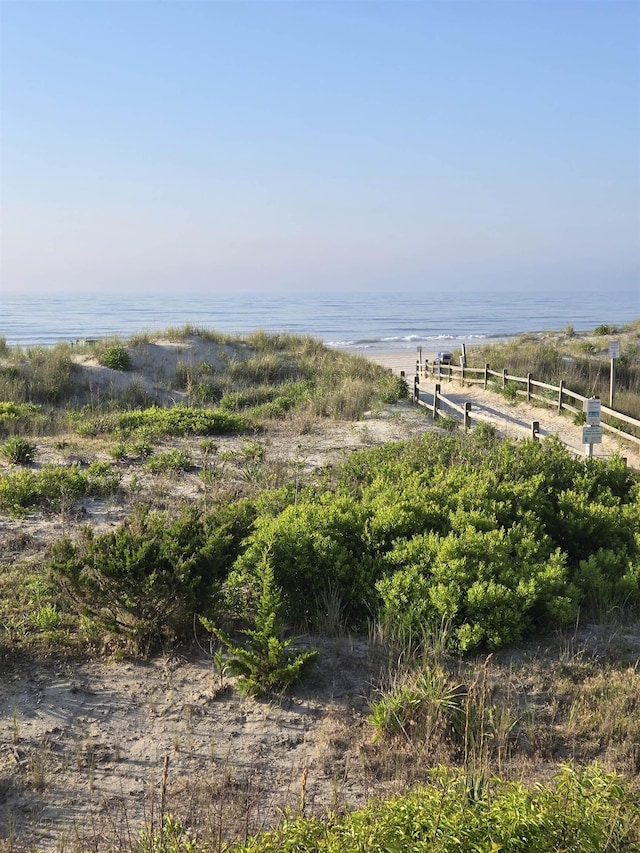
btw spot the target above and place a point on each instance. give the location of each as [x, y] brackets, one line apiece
[560, 392]
[416, 388]
[435, 401]
[450, 373]
[486, 376]
[528, 387]
[467, 418]
[504, 377]
[535, 430]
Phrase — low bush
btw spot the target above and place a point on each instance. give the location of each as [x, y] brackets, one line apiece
[19, 451]
[168, 460]
[179, 420]
[116, 357]
[20, 418]
[55, 487]
[583, 810]
[146, 581]
[264, 663]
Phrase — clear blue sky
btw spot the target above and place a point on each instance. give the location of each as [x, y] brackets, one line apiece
[222, 146]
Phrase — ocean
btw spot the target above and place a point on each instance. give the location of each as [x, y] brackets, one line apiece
[357, 322]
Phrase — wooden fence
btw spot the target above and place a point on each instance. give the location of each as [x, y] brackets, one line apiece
[441, 405]
[558, 397]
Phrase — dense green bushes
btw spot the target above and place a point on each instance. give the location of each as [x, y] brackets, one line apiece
[154, 422]
[586, 811]
[149, 578]
[498, 541]
[494, 539]
[55, 487]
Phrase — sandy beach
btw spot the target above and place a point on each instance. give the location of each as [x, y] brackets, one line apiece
[400, 361]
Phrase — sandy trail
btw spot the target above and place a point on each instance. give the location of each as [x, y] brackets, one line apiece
[511, 419]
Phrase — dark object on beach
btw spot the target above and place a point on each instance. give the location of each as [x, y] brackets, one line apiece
[445, 358]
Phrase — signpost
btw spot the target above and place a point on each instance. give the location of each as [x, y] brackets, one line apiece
[614, 352]
[592, 432]
[592, 435]
[593, 408]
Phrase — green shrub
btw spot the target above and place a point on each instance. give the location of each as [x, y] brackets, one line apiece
[179, 420]
[117, 358]
[19, 451]
[146, 580]
[311, 544]
[20, 417]
[168, 460]
[55, 487]
[582, 810]
[510, 391]
[264, 663]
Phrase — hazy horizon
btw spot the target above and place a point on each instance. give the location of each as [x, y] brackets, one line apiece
[211, 147]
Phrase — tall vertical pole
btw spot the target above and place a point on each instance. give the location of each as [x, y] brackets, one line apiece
[612, 382]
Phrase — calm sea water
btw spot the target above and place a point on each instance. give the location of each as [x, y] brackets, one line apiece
[355, 322]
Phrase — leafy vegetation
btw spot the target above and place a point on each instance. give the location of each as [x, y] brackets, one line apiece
[464, 542]
[497, 541]
[116, 357]
[55, 487]
[264, 663]
[586, 811]
[154, 422]
[146, 580]
[19, 451]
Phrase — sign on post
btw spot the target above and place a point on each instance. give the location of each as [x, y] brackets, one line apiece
[592, 434]
[592, 409]
[614, 349]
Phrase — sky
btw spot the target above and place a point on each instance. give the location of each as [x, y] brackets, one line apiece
[322, 145]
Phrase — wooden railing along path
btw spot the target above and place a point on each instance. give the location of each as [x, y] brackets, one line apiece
[556, 396]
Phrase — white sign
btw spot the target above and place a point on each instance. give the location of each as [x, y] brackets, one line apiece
[592, 435]
[614, 349]
[592, 408]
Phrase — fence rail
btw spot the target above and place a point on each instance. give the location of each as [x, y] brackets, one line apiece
[559, 400]
[441, 402]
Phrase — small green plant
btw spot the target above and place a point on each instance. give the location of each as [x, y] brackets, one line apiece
[510, 391]
[117, 358]
[19, 451]
[421, 705]
[264, 663]
[448, 422]
[485, 433]
[119, 451]
[47, 617]
[171, 837]
[169, 460]
[253, 450]
[604, 329]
